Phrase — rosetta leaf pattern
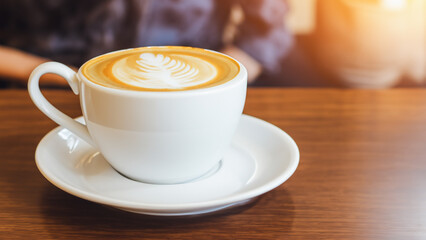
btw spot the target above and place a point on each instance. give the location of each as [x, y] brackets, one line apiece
[172, 72]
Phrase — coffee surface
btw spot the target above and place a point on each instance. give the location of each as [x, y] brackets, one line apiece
[161, 69]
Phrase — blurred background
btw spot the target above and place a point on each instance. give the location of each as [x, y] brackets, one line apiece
[288, 43]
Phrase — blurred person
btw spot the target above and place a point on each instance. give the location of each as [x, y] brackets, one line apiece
[372, 43]
[33, 32]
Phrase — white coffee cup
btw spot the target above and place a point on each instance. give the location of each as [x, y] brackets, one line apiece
[155, 137]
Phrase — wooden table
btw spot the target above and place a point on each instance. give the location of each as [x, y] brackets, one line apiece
[362, 174]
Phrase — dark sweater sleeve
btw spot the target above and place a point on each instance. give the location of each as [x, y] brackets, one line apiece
[263, 34]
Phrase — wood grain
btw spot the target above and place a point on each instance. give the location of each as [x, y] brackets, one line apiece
[362, 174]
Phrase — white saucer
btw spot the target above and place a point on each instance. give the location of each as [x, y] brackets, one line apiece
[261, 158]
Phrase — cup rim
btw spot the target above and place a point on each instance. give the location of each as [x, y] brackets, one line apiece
[240, 77]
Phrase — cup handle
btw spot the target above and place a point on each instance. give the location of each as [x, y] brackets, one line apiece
[48, 109]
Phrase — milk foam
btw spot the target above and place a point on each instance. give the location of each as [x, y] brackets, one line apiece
[161, 69]
[159, 72]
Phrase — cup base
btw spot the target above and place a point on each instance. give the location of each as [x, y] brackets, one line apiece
[205, 175]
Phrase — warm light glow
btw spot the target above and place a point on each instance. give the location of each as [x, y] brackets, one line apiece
[394, 4]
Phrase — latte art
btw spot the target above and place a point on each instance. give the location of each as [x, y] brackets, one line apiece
[159, 72]
[161, 69]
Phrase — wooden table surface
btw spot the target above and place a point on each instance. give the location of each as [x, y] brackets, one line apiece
[362, 174]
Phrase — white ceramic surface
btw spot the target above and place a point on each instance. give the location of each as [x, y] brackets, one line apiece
[156, 137]
[261, 158]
